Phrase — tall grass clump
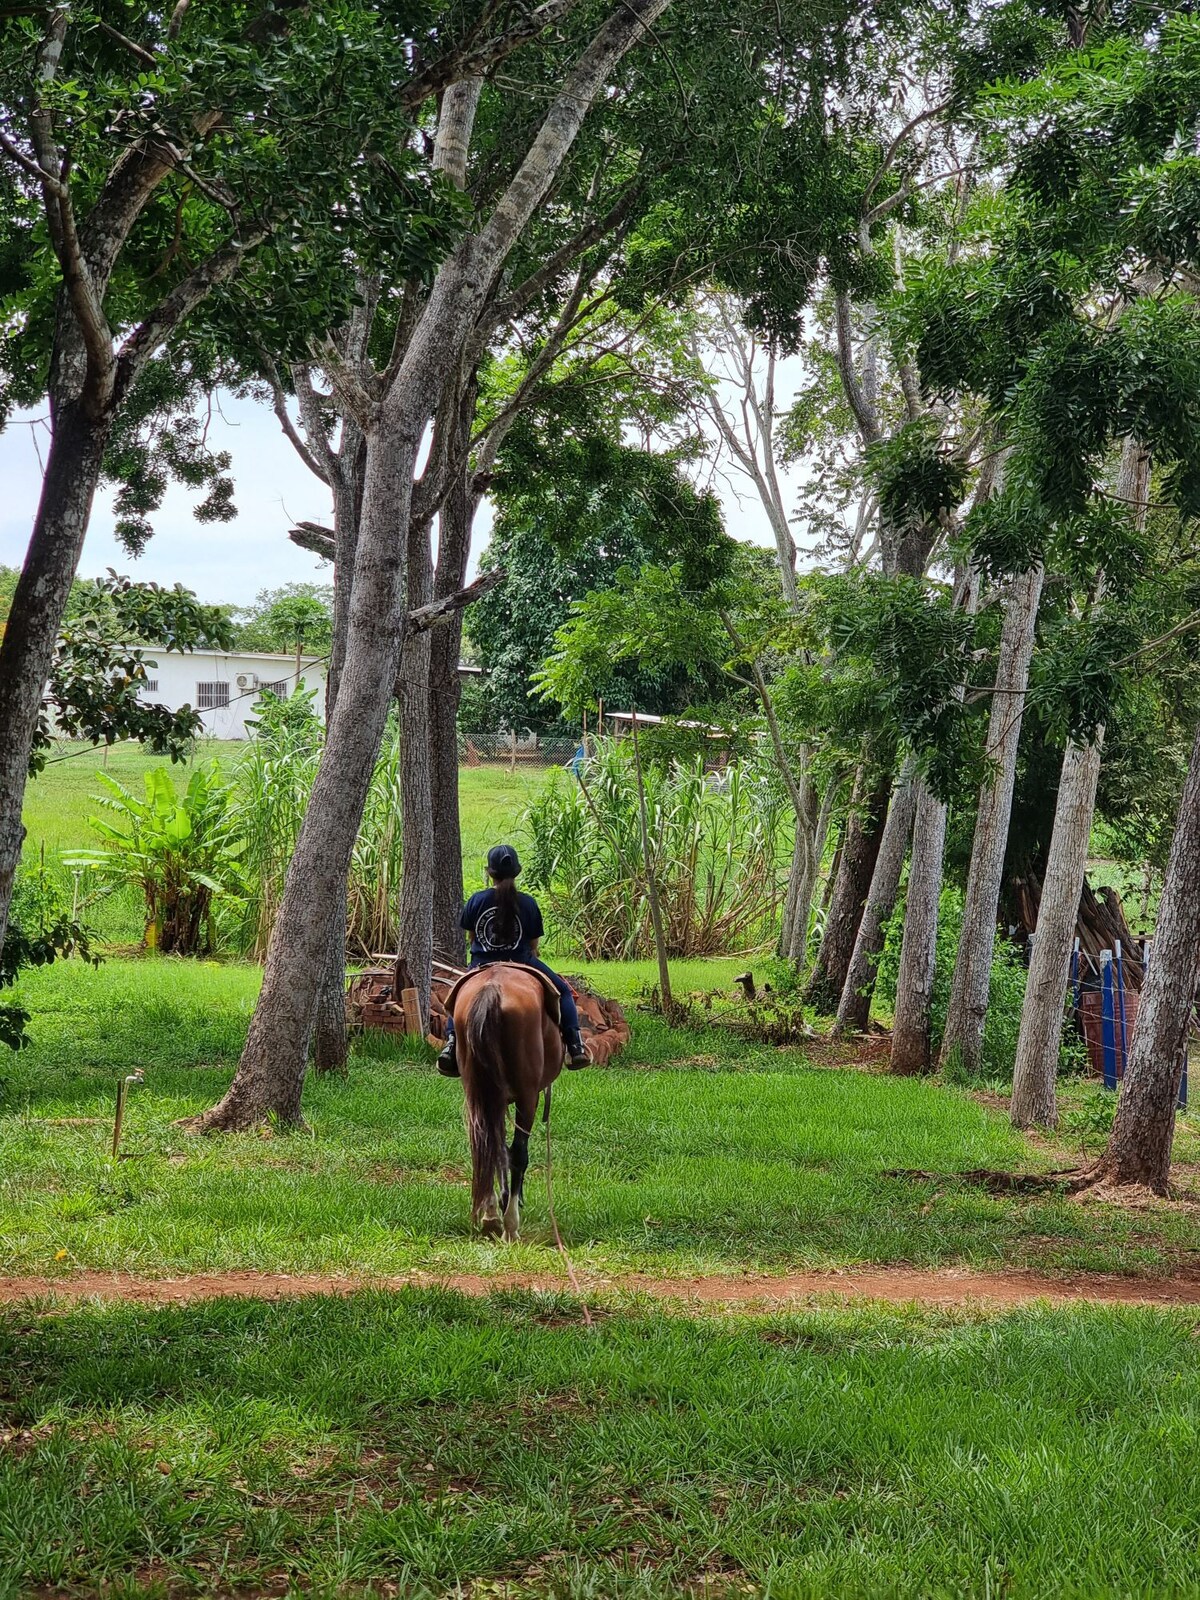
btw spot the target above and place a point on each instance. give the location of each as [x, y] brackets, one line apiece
[274, 781]
[716, 844]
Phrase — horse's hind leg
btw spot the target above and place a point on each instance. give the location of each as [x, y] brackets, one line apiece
[518, 1159]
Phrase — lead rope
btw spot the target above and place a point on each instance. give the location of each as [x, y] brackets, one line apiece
[562, 1249]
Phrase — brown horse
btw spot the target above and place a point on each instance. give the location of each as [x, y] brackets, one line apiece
[510, 1049]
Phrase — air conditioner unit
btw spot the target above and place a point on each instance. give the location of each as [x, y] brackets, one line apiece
[247, 680]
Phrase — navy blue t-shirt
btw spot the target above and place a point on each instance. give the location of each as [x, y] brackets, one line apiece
[479, 919]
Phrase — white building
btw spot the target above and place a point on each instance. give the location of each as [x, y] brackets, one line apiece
[225, 688]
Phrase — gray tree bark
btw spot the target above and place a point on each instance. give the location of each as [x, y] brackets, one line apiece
[415, 915]
[918, 950]
[1139, 1147]
[77, 446]
[331, 1040]
[445, 690]
[963, 1037]
[1034, 1098]
[270, 1075]
[854, 1007]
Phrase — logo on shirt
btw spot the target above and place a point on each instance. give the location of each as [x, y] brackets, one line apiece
[485, 932]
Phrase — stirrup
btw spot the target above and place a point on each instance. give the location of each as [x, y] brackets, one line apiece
[447, 1061]
[577, 1055]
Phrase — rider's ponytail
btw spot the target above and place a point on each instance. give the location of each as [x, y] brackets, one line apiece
[506, 929]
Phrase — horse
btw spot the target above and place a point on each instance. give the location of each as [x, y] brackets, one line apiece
[510, 1050]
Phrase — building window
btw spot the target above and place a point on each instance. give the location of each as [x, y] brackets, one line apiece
[212, 696]
[150, 685]
[278, 689]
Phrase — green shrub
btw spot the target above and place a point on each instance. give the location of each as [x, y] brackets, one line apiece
[1006, 996]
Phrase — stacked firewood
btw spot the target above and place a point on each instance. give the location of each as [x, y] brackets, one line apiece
[1100, 923]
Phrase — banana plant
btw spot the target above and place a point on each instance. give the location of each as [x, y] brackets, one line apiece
[181, 851]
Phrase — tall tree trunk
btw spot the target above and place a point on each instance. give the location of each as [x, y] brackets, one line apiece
[963, 1037]
[77, 446]
[807, 855]
[270, 1075]
[918, 950]
[860, 848]
[1139, 1147]
[445, 691]
[331, 1040]
[415, 915]
[1034, 1097]
[1034, 1101]
[854, 1007]
[330, 1037]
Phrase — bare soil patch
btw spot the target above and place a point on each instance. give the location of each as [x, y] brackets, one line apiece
[897, 1285]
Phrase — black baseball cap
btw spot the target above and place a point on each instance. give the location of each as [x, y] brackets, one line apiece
[502, 861]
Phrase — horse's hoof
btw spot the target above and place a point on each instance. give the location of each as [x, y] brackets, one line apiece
[490, 1227]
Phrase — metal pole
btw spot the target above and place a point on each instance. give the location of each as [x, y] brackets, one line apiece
[1121, 1009]
[1108, 1020]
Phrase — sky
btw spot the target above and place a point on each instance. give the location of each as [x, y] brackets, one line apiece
[230, 562]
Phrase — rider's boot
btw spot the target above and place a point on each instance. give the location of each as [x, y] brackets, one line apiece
[577, 1055]
[447, 1061]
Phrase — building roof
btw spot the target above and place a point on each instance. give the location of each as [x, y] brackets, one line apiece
[288, 656]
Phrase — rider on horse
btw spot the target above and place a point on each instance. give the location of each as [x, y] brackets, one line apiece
[506, 925]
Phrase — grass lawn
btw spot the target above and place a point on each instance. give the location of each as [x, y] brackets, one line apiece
[420, 1444]
[423, 1445]
[694, 1152]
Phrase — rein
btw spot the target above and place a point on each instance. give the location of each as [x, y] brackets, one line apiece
[562, 1249]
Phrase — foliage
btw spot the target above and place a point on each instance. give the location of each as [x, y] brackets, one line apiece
[295, 616]
[41, 929]
[100, 666]
[1006, 994]
[181, 851]
[716, 842]
[273, 782]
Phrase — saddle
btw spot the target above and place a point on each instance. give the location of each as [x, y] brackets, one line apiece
[549, 992]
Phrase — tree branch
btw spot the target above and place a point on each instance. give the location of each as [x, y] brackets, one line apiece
[864, 413]
[890, 153]
[472, 59]
[439, 611]
[318, 445]
[351, 391]
[160, 323]
[48, 180]
[321, 541]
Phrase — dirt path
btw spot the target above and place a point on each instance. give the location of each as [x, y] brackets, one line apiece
[949, 1286]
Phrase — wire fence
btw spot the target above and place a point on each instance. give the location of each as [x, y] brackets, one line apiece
[505, 749]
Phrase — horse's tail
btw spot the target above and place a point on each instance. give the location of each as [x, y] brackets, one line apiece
[486, 1094]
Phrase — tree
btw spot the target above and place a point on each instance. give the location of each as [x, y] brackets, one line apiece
[98, 676]
[298, 616]
[431, 354]
[145, 166]
[271, 1071]
[963, 1036]
[1139, 1147]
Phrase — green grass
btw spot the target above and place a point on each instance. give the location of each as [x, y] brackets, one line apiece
[422, 1445]
[59, 801]
[695, 1152]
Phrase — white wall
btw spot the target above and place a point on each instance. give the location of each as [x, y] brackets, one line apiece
[179, 675]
